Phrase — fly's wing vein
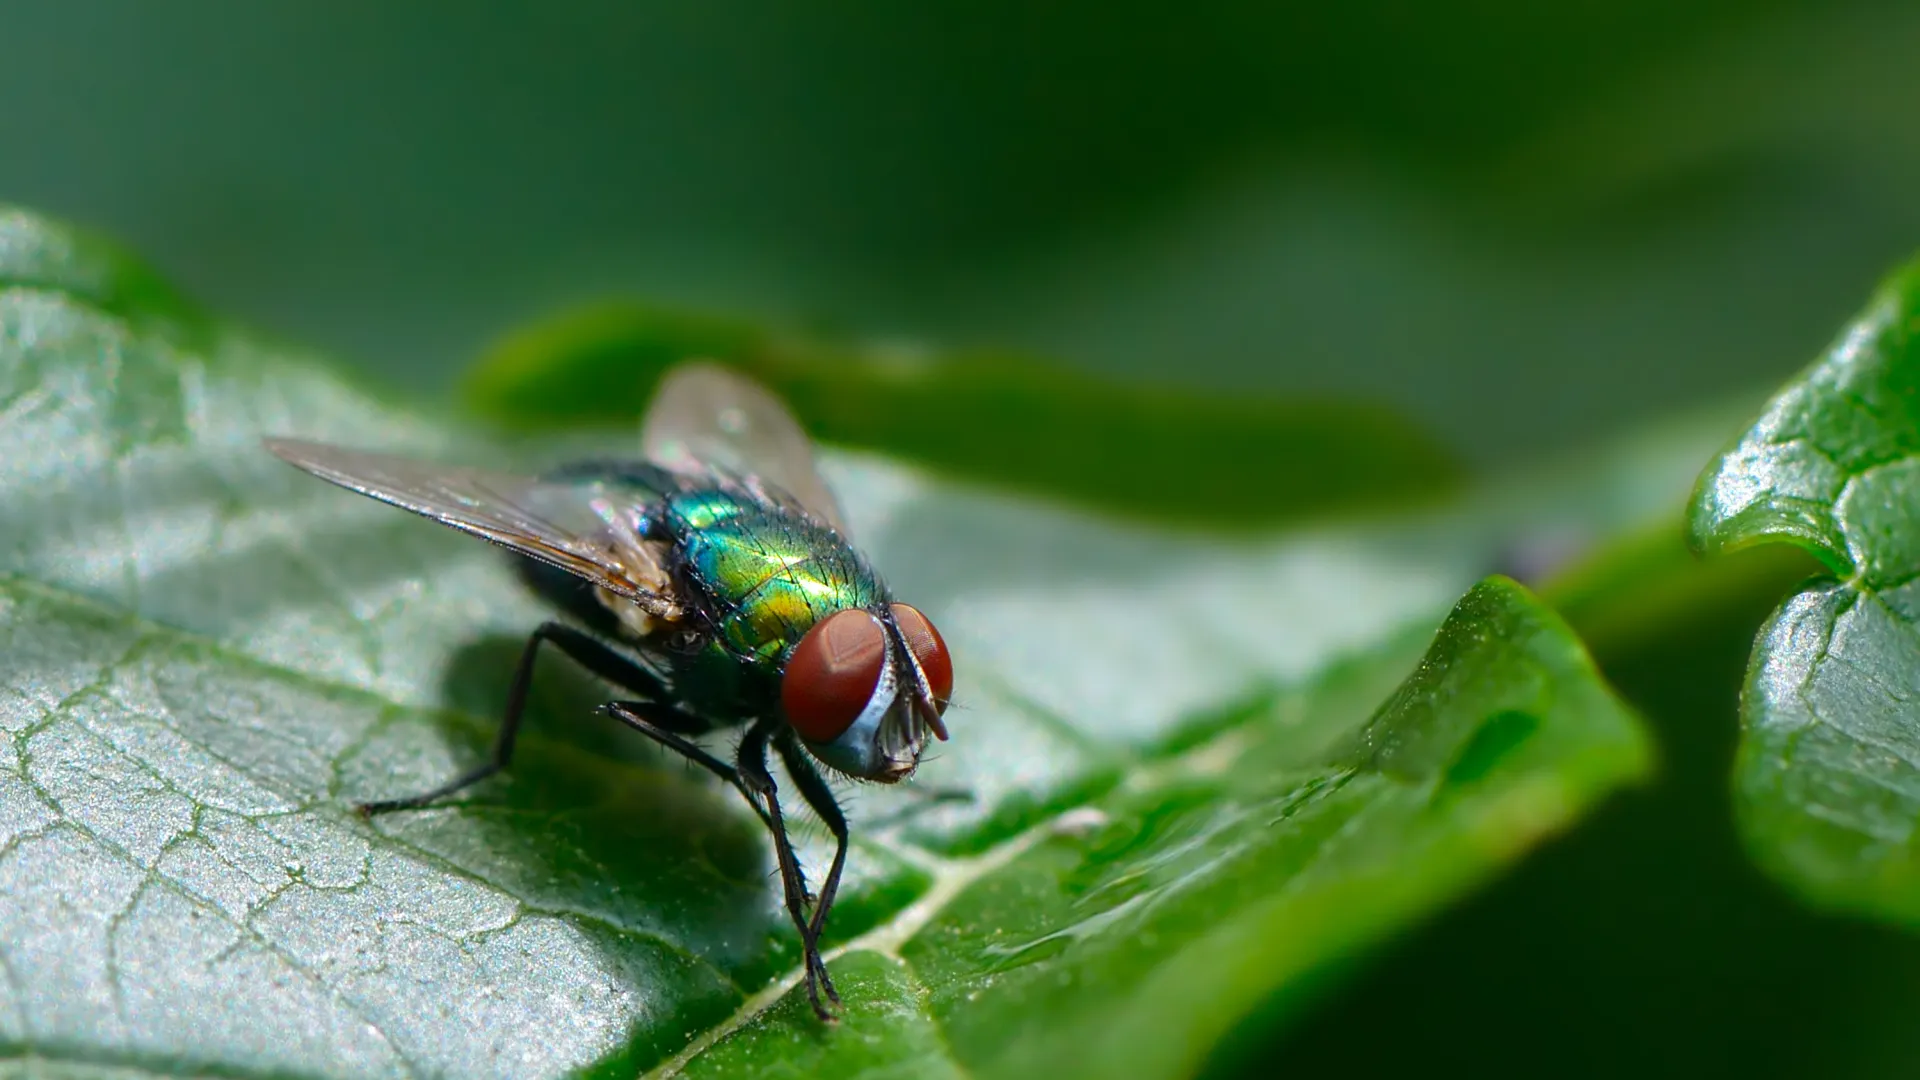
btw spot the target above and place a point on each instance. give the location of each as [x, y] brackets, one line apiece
[577, 528]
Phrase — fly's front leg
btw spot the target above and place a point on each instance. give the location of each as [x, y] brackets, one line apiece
[752, 762]
[820, 798]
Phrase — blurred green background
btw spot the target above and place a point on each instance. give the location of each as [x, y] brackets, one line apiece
[1524, 223]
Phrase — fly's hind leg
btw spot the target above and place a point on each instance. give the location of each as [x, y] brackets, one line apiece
[584, 650]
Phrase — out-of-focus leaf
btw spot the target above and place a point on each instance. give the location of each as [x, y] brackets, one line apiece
[1011, 422]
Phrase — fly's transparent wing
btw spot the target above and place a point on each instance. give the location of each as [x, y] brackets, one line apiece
[704, 416]
[586, 529]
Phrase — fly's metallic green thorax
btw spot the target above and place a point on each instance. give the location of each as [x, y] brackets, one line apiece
[767, 574]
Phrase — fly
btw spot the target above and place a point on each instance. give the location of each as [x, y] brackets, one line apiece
[712, 579]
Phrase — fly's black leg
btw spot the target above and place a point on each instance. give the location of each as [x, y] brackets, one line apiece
[585, 651]
[752, 761]
[820, 798]
[635, 714]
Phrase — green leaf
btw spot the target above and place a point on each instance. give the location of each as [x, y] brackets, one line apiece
[1124, 937]
[1009, 421]
[208, 656]
[1828, 777]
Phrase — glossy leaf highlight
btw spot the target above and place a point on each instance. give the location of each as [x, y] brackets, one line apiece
[1828, 778]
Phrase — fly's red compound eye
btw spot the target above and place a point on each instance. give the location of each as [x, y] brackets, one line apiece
[832, 674]
[929, 649]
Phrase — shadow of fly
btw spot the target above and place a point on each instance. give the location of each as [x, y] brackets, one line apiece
[713, 579]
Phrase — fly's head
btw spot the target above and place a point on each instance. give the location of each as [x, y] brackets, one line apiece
[866, 689]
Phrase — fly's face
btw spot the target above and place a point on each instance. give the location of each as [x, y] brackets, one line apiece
[864, 690]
